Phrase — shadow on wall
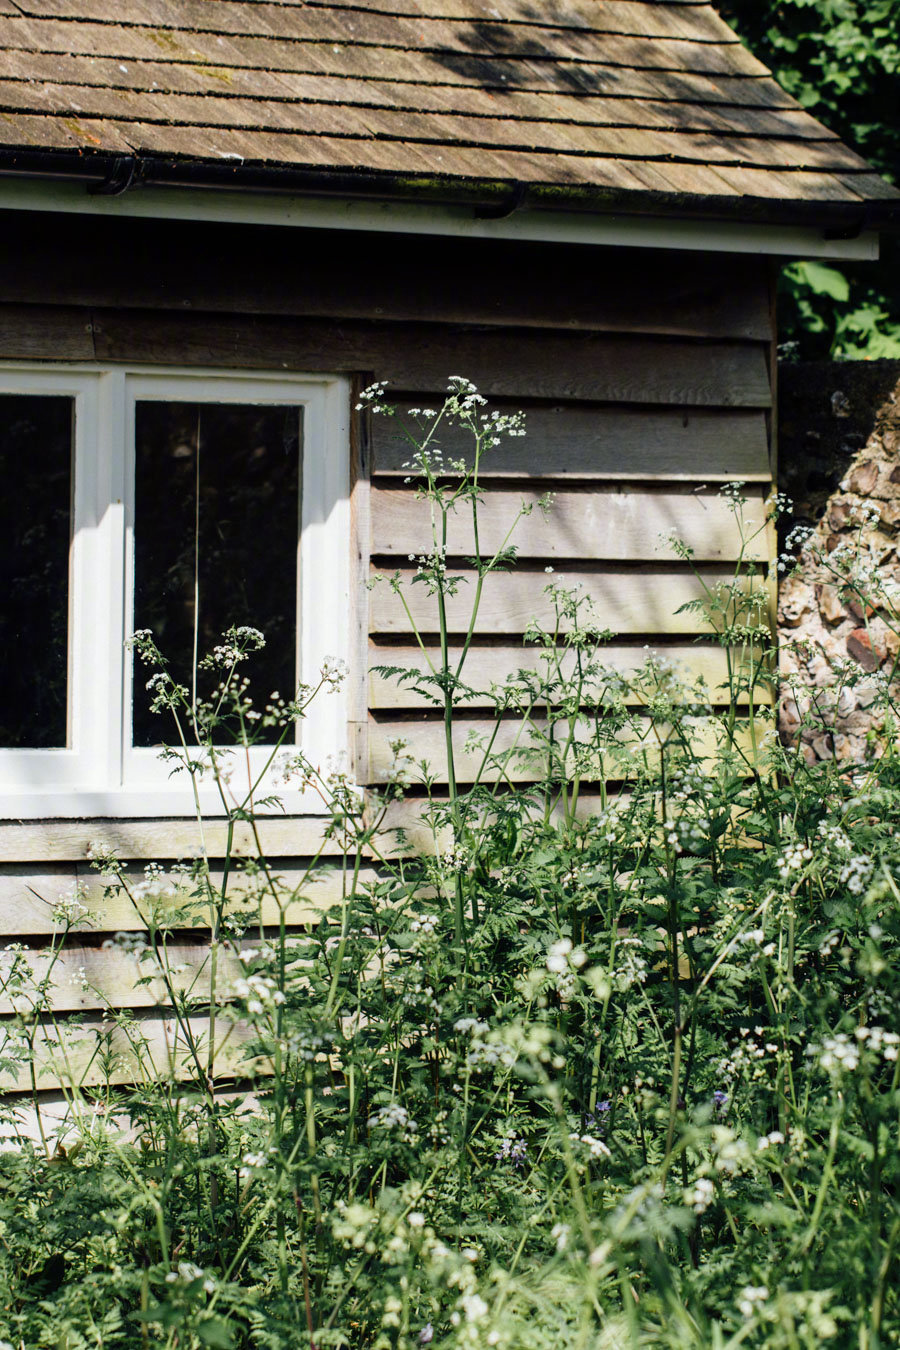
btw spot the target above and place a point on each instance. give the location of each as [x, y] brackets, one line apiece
[839, 453]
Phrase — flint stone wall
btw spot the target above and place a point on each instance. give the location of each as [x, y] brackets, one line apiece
[839, 453]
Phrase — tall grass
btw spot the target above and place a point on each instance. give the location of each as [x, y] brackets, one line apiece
[611, 1062]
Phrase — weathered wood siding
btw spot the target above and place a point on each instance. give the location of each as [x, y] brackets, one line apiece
[645, 380]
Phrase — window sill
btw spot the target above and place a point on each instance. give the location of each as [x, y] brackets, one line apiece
[134, 803]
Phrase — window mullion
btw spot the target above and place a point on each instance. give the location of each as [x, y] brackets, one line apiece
[108, 660]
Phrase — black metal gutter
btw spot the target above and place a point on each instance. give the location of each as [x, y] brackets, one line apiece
[105, 174]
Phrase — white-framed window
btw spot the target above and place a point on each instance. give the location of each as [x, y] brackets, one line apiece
[178, 500]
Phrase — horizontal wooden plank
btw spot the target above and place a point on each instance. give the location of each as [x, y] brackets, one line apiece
[597, 524]
[568, 441]
[86, 979]
[487, 666]
[98, 1051]
[485, 749]
[71, 840]
[420, 357]
[243, 270]
[65, 1118]
[28, 896]
[408, 829]
[626, 601]
[46, 333]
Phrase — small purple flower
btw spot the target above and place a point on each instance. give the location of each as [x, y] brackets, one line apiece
[426, 1334]
[720, 1098]
[512, 1150]
[594, 1119]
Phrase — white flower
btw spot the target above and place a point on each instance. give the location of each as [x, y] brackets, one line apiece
[186, 1271]
[562, 956]
[836, 1053]
[700, 1196]
[394, 1116]
[751, 1297]
[474, 1307]
[856, 872]
[252, 636]
[558, 956]
[80, 979]
[595, 1146]
[334, 671]
[794, 859]
[470, 1026]
[68, 909]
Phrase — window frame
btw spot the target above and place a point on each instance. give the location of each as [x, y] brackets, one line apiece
[100, 773]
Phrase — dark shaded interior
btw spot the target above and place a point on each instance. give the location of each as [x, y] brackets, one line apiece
[229, 529]
[35, 536]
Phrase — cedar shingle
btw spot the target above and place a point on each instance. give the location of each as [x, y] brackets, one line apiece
[309, 118]
[748, 100]
[631, 96]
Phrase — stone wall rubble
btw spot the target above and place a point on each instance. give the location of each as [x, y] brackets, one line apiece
[839, 452]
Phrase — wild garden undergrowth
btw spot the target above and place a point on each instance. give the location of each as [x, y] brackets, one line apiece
[613, 1062]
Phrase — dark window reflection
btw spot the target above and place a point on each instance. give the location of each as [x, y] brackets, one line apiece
[242, 509]
[35, 535]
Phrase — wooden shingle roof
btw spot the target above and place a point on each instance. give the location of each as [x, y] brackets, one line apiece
[647, 104]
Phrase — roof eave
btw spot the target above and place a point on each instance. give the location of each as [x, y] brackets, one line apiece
[105, 175]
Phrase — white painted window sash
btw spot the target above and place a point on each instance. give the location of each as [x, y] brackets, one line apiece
[100, 773]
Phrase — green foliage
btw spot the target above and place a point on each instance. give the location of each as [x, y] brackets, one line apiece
[612, 1061]
[841, 60]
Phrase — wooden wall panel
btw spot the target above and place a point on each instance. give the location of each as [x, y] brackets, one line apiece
[645, 382]
[487, 750]
[641, 599]
[28, 896]
[414, 357]
[497, 664]
[233, 269]
[419, 357]
[408, 822]
[85, 979]
[70, 840]
[596, 524]
[585, 442]
[96, 1051]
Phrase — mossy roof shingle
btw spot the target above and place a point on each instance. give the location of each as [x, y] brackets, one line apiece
[647, 103]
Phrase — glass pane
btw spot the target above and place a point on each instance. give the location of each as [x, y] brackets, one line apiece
[217, 503]
[35, 535]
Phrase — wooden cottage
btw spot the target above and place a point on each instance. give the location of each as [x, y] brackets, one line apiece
[221, 219]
